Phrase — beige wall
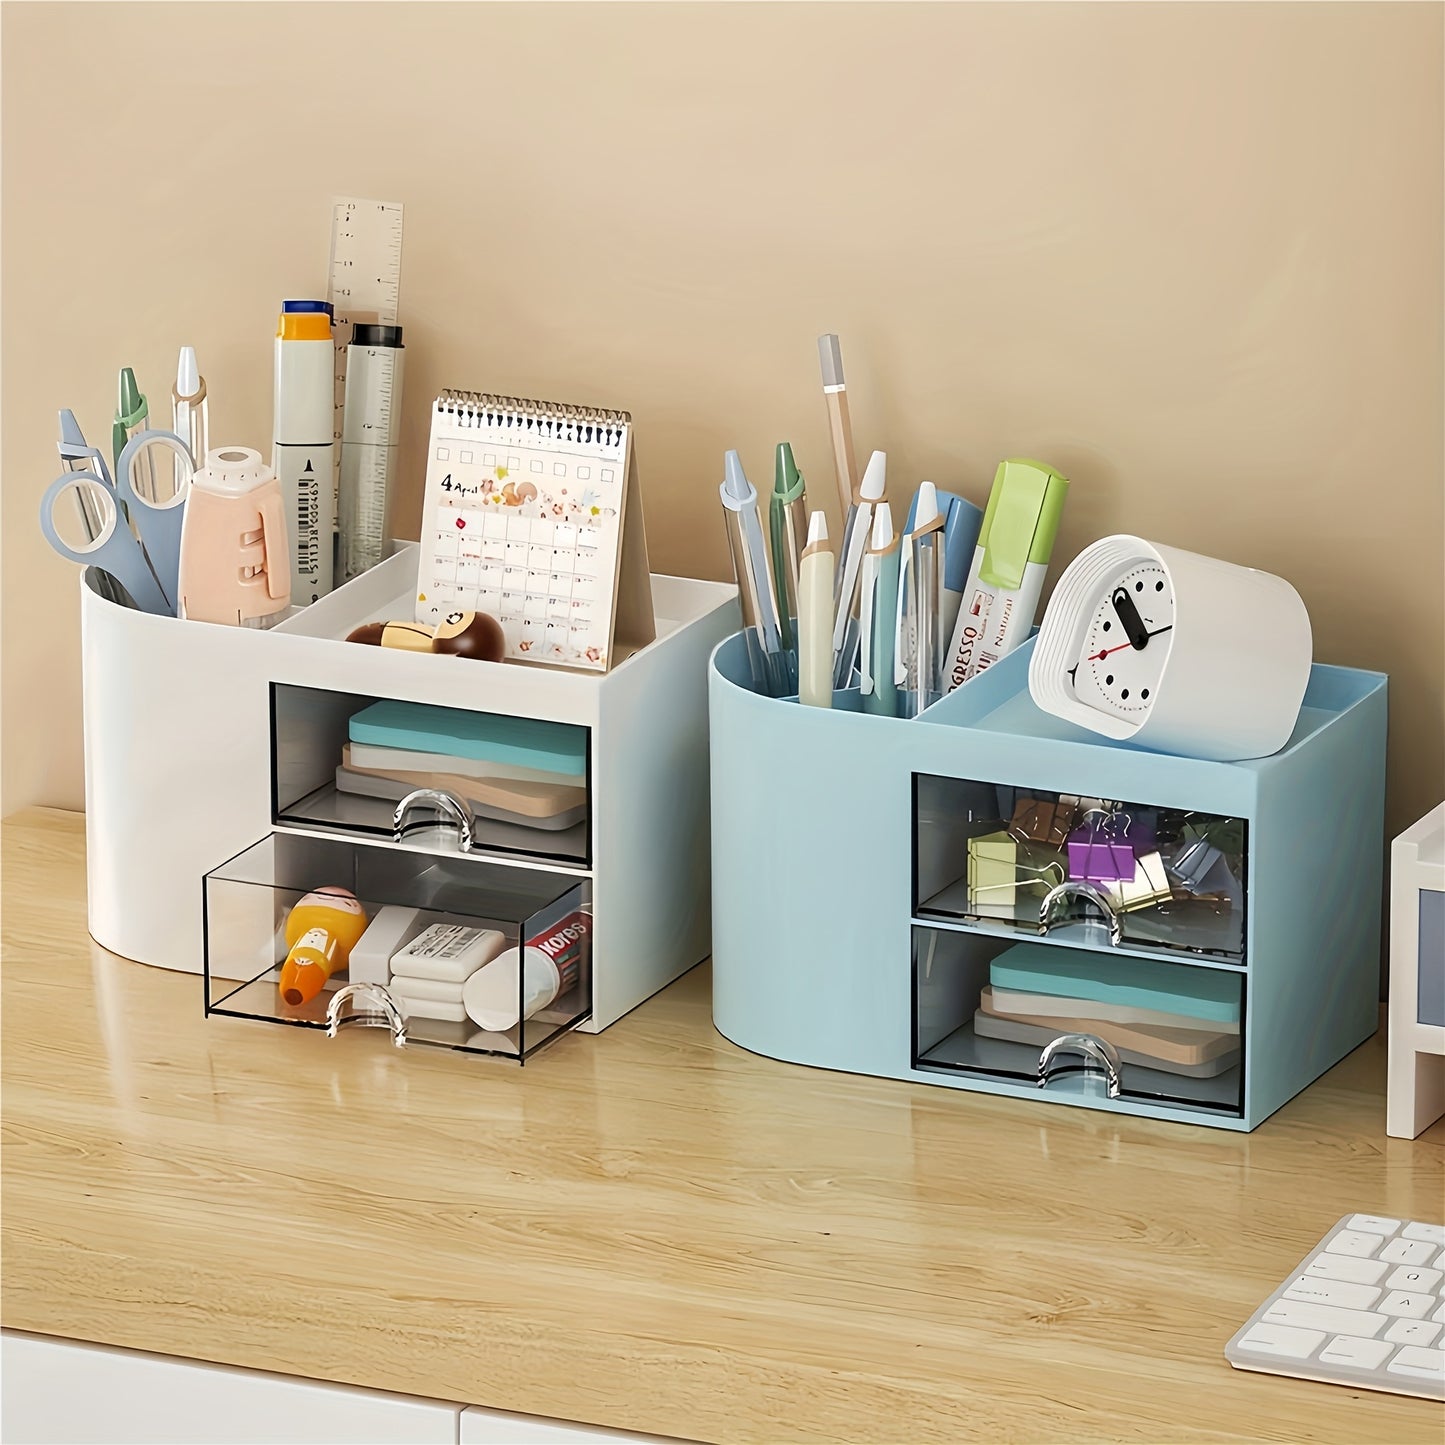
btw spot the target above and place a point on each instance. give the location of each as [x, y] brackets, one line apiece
[1189, 254]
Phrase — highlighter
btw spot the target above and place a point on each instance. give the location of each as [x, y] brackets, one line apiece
[321, 931]
[1006, 576]
[303, 442]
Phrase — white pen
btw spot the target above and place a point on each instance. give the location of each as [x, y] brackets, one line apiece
[878, 615]
[755, 582]
[189, 413]
[305, 397]
[850, 562]
[918, 667]
[815, 616]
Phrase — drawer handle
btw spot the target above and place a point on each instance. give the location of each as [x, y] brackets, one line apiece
[1085, 893]
[373, 1008]
[447, 804]
[1094, 1050]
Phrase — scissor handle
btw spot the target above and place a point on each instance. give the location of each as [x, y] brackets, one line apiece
[159, 523]
[115, 551]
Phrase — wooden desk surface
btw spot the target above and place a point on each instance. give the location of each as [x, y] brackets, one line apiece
[652, 1229]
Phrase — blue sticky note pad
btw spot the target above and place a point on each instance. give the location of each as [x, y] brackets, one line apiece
[1202, 993]
[451, 732]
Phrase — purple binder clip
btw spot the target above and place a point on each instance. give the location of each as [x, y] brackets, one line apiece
[1103, 847]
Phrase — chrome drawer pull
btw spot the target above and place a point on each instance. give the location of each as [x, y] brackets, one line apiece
[382, 1013]
[447, 804]
[1094, 1050]
[1086, 893]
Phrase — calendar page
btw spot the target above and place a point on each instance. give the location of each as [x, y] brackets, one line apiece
[522, 519]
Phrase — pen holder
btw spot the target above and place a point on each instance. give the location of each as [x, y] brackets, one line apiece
[203, 741]
[869, 871]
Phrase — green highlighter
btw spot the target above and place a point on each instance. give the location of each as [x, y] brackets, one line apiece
[1001, 596]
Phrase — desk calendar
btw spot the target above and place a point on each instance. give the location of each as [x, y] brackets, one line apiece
[532, 513]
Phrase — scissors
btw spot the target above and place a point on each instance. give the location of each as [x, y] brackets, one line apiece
[147, 566]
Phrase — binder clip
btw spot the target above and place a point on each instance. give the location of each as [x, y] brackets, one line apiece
[1002, 866]
[1103, 848]
[1044, 822]
[1149, 886]
[1199, 863]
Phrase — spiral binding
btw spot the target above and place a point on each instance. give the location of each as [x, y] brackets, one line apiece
[544, 420]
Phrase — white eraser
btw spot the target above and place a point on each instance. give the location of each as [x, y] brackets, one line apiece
[390, 928]
[450, 952]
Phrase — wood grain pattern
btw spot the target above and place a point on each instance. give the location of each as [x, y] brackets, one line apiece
[651, 1229]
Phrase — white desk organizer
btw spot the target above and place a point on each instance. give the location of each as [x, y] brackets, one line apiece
[202, 741]
[1417, 977]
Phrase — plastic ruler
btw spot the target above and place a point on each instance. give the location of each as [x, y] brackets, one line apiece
[364, 283]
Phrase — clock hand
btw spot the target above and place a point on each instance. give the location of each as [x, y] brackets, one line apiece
[1100, 656]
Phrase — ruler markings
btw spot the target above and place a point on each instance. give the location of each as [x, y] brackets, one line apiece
[363, 284]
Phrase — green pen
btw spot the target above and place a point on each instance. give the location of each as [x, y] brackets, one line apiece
[788, 525]
[131, 416]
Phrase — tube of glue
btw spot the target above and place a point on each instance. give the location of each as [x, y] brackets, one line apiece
[1009, 563]
[321, 931]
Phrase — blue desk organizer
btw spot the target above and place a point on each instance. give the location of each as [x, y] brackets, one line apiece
[835, 833]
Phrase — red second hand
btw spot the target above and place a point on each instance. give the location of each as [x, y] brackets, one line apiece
[1100, 656]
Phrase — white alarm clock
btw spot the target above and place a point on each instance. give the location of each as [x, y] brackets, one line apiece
[1173, 651]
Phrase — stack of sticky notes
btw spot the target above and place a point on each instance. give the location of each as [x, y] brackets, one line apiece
[1165, 1016]
[429, 973]
[509, 769]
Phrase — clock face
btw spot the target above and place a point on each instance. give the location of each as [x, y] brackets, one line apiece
[1125, 643]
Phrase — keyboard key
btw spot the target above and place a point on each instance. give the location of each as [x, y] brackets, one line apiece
[1340, 1266]
[1278, 1340]
[1360, 1246]
[1419, 1364]
[1325, 1317]
[1410, 1306]
[1358, 1354]
[1373, 1224]
[1407, 1251]
[1430, 1233]
[1410, 1332]
[1439, 1315]
[1333, 1292]
[1410, 1279]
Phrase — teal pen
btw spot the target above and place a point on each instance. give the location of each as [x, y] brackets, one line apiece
[878, 617]
[788, 527]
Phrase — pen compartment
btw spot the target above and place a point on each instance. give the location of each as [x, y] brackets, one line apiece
[841, 865]
[478, 913]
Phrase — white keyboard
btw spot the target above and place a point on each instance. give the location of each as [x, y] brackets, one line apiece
[1365, 1308]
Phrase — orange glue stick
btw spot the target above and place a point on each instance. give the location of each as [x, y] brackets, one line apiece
[321, 931]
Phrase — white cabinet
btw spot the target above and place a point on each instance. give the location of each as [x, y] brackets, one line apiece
[66, 1392]
[490, 1427]
[62, 1392]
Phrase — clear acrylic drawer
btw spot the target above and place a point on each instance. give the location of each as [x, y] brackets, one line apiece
[1063, 1020]
[416, 942]
[1090, 872]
